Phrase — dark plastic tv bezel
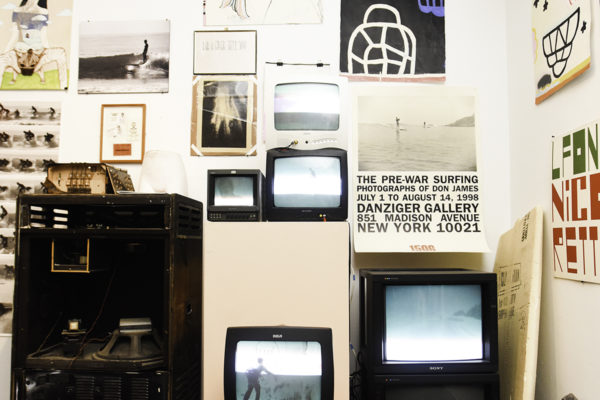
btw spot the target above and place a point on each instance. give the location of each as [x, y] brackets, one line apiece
[229, 212]
[279, 334]
[372, 292]
[274, 213]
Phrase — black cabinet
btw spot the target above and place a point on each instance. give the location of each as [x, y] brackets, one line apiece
[108, 297]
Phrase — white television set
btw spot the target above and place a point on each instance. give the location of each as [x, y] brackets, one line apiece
[305, 110]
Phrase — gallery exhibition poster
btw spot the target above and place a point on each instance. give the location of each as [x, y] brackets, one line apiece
[416, 181]
[576, 204]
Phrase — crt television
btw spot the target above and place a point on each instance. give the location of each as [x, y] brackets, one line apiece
[441, 321]
[306, 185]
[235, 195]
[278, 362]
[305, 110]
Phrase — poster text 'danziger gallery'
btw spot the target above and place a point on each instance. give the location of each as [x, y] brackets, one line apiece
[576, 204]
[416, 185]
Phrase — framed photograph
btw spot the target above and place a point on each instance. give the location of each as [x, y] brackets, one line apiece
[225, 52]
[122, 133]
[223, 116]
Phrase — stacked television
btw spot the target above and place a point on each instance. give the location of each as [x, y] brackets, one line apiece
[306, 136]
[429, 335]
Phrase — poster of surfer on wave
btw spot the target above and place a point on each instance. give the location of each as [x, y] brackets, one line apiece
[124, 57]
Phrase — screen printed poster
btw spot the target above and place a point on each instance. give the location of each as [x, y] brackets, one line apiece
[402, 40]
[416, 186]
[561, 39]
[576, 204]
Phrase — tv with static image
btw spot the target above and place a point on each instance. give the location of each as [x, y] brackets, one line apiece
[306, 185]
[305, 110]
[278, 362]
[429, 321]
[235, 195]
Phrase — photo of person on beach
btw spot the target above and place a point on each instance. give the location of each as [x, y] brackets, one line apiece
[124, 57]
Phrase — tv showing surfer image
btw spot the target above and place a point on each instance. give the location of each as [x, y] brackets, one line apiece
[124, 57]
[274, 370]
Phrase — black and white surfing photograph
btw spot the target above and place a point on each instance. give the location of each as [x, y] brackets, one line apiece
[29, 144]
[223, 115]
[276, 370]
[124, 57]
[416, 129]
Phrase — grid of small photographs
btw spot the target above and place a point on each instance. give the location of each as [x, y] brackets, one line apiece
[29, 139]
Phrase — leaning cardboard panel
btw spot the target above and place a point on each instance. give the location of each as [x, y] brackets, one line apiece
[519, 268]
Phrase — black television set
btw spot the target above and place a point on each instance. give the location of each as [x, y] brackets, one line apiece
[306, 185]
[278, 362]
[431, 321]
[235, 195]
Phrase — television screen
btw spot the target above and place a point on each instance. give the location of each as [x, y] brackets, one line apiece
[307, 106]
[433, 323]
[278, 370]
[234, 191]
[429, 392]
[310, 181]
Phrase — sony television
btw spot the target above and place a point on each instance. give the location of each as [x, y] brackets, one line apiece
[436, 322]
[305, 110]
[278, 362]
[306, 185]
[235, 195]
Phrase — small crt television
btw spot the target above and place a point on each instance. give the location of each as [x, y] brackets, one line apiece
[278, 362]
[235, 195]
[306, 185]
[305, 110]
[441, 321]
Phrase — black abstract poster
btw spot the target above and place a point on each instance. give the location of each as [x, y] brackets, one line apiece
[393, 39]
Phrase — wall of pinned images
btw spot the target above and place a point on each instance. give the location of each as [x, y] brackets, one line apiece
[29, 140]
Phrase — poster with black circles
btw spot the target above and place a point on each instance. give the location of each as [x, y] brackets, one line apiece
[393, 40]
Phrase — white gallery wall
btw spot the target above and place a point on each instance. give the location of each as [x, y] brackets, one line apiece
[476, 54]
[569, 355]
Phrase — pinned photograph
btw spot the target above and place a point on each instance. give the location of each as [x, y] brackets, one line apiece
[35, 38]
[124, 57]
[224, 116]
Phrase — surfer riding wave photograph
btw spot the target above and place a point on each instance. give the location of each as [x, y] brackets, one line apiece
[124, 57]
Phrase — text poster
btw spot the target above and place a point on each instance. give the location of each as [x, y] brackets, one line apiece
[576, 204]
[393, 40]
[518, 266]
[561, 41]
[416, 186]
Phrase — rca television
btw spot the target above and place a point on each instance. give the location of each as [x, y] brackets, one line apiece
[235, 195]
[441, 321]
[305, 110]
[306, 185]
[278, 362]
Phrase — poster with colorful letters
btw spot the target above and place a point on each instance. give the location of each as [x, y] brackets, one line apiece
[576, 204]
[561, 43]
